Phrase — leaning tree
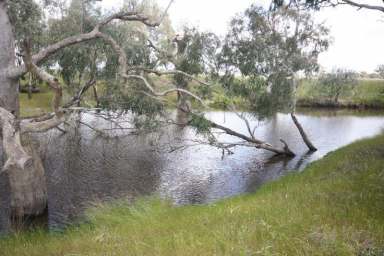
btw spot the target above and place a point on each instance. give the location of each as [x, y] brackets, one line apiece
[269, 48]
[22, 38]
[22, 170]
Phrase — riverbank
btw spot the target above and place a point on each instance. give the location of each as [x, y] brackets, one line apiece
[334, 207]
[367, 94]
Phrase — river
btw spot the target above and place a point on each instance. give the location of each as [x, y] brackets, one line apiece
[83, 168]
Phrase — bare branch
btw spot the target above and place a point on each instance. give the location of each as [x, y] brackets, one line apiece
[166, 11]
[77, 98]
[31, 126]
[255, 142]
[303, 134]
[365, 6]
[246, 121]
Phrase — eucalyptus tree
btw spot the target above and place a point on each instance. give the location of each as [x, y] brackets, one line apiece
[77, 62]
[337, 82]
[130, 76]
[22, 169]
[317, 4]
[269, 48]
[195, 55]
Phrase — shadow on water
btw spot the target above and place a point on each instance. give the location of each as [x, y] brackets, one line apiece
[83, 168]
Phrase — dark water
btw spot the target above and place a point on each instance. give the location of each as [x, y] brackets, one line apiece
[83, 168]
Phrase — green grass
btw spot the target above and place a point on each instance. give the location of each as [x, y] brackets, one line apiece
[368, 92]
[39, 104]
[334, 207]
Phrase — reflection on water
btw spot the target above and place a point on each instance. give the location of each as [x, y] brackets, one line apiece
[83, 168]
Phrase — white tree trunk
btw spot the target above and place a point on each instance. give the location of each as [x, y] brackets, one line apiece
[298, 125]
[22, 169]
[8, 86]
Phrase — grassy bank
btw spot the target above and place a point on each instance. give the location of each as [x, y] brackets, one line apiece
[334, 207]
[368, 93]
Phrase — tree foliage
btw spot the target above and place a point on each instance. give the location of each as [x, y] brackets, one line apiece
[27, 19]
[263, 42]
[273, 45]
[337, 82]
[318, 4]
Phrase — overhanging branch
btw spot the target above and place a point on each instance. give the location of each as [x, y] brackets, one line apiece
[365, 6]
[77, 39]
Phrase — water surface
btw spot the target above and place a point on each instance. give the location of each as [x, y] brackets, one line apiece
[83, 168]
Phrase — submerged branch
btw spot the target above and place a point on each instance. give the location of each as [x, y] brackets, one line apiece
[303, 134]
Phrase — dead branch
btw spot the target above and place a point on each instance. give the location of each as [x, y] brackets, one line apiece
[255, 142]
[303, 134]
[78, 97]
[246, 121]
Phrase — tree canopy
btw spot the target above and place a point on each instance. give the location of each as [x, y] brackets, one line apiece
[268, 48]
[317, 4]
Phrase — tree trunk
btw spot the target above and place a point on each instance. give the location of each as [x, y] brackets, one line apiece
[30, 87]
[8, 86]
[22, 170]
[306, 140]
[336, 99]
[303, 134]
[96, 96]
[183, 107]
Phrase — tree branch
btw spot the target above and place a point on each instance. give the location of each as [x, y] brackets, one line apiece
[303, 134]
[166, 92]
[257, 143]
[53, 83]
[365, 6]
[95, 33]
[169, 72]
[31, 126]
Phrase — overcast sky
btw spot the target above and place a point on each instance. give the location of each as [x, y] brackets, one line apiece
[358, 34]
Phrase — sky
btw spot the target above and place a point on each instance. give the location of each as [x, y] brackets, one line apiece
[358, 35]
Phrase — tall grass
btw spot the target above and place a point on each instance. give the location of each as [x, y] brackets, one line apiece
[368, 92]
[334, 207]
